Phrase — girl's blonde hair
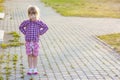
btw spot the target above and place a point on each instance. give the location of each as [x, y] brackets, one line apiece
[35, 10]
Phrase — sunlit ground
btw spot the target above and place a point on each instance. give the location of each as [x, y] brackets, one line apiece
[87, 8]
[1, 6]
[113, 40]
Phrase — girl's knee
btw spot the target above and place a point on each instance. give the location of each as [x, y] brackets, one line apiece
[35, 56]
[29, 55]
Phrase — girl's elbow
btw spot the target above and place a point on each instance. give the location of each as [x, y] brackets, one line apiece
[47, 28]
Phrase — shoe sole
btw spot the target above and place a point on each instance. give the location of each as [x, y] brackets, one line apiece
[29, 73]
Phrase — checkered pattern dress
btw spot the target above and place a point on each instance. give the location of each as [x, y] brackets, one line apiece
[32, 29]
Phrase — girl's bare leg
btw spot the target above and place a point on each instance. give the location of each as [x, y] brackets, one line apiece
[35, 65]
[34, 61]
[30, 62]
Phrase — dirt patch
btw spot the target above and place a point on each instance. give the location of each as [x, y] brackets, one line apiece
[11, 40]
[7, 37]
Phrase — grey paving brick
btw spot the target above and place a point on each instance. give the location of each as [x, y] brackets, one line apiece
[69, 50]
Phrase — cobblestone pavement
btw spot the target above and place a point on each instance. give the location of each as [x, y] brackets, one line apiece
[69, 50]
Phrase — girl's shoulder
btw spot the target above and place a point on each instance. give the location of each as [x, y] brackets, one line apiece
[39, 22]
[26, 21]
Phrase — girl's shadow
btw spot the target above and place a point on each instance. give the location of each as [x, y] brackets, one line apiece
[31, 77]
[35, 77]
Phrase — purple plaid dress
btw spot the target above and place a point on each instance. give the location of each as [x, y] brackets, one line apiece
[32, 30]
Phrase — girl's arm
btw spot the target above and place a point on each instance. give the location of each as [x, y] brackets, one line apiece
[22, 27]
[43, 28]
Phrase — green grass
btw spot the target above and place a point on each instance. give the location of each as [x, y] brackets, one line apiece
[1, 7]
[87, 8]
[113, 40]
[15, 57]
[3, 45]
[1, 1]
[14, 42]
[8, 58]
[1, 78]
[14, 34]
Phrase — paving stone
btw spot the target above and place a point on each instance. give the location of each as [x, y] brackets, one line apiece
[2, 15]
[69, 50]
[1, 36]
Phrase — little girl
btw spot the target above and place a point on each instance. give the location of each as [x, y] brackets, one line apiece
[32, 29]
